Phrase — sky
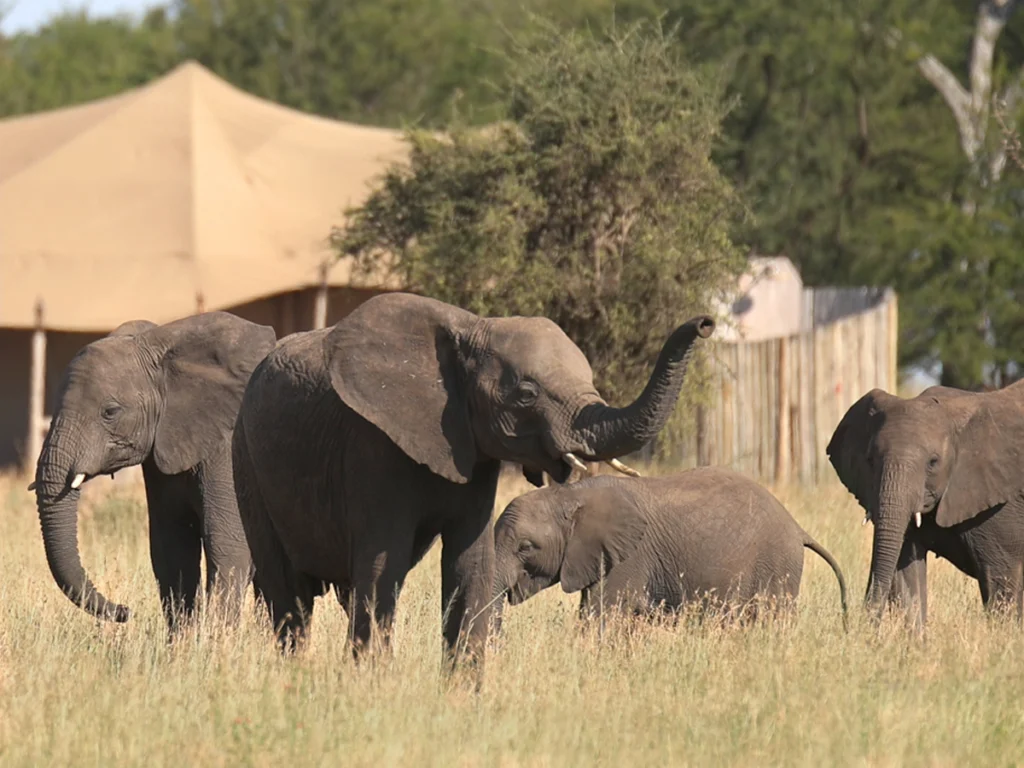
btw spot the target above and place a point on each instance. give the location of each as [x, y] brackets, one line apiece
[25, 15]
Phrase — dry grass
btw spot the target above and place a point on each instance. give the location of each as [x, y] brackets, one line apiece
[73, 692]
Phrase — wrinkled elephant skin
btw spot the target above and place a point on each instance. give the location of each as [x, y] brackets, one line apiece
[942, 473]
[358, 445]
[707, 536]
[165, 397]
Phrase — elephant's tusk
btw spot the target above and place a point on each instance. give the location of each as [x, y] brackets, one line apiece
[574, 462]
[32, 485]
[917, 519]
[867, 516]
[618, 465]
[79, 479]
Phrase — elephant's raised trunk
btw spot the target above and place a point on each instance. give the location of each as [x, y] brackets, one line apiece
[612, 432]
[57, 502]
[896, 505]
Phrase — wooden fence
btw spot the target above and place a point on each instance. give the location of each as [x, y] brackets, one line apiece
[775, 403]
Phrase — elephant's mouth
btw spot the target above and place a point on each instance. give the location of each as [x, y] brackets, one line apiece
[515, 595]
[526, 586]
[558, 470]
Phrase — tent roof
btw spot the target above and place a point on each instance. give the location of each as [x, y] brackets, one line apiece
[131, 206]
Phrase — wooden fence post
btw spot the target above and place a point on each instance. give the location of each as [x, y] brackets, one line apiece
[37, 392]
[320, 304]
[894, 335]
[784, 452]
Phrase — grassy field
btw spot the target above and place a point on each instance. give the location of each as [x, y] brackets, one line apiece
[73, 692]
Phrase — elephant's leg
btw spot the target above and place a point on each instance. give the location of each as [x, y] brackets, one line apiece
[175, 548]
[909, 591]
[287, 595]
[229, 566]
[1001, 587]
[467, 583]
[586, 609]
[612, 596]
[379, 573]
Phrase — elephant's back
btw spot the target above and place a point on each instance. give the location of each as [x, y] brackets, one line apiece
[296, 361]
[726, 495]
[288, 395]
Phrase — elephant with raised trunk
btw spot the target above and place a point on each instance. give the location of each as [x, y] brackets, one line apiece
[358, 445]
[942, 472]
[164, 397]
[707, 536]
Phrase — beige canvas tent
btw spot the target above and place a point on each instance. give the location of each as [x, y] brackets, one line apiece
[182, 195]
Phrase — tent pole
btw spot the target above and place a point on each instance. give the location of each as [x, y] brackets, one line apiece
[320, 305]
[37, 390]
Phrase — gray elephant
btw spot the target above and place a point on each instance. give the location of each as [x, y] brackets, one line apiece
[164, 397]
[942, 472]
[357, 446]
[706, 536]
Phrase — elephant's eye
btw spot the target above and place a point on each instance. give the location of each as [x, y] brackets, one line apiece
[933, 462]
[527, 393]
[525, 545]
[111, 410]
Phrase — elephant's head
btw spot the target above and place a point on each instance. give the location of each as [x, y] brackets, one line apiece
[569, 534]
[170, 392]
[453, 389]
[946, 452]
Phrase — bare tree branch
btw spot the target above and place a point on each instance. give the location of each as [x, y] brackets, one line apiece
[992, 18]
[971, 109]
[956, 96]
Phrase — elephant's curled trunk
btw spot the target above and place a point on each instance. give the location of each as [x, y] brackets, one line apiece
[57, 503]
[612, 432]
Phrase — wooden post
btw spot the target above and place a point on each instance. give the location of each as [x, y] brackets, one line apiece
[727, 453]
[200, 303]
[320, 305]
[36, 393]
[894, 335]
[784, 453]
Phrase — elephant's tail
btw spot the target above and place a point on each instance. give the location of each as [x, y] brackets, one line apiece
[814, 546]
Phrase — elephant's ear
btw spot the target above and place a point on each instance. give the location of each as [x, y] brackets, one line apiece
[132, 328]
[396, 361]
[607, 527]
[988, 456]
[848, 448]
[205, 361]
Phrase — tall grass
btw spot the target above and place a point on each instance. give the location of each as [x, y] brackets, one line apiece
[76, 692]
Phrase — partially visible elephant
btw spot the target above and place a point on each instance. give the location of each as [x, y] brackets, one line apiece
[708, 536]
[942, 472]
[164, 397]
[358, 445]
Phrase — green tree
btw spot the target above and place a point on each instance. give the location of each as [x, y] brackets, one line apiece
[852, 162]
[76, 58]
[374, 61]
[595, 204]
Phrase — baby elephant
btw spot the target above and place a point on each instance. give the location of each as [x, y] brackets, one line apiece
[708, 534]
